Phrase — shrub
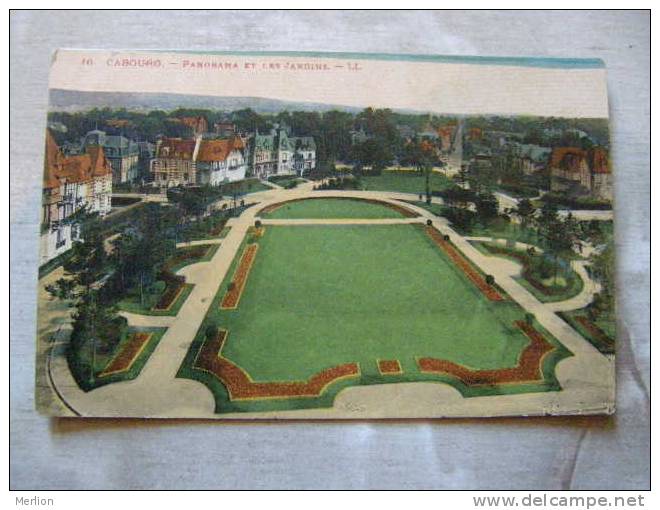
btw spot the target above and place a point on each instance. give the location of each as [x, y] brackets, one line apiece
[490, 279]
[231, 286]
[529, 318]
[531, 251]
[211, 331]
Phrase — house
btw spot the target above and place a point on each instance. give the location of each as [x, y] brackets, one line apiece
[474, 133]
[174, 162]
[219, 161]
[533, 158]
[271, 154]
[446, 137]
[123, 154]
[198, 124]
[147, 151]
[119, 123]
[70, 184]
[580, 172]
[602, 179]
[304, 156]
[224, 129]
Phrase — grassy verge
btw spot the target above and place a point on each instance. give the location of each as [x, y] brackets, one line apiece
[601, 333]
[81, 368]
[404, 182]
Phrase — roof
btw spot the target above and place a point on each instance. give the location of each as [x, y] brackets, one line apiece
[303, 142]
[445, 130]
[567, 158]
[218, 150]
[117, 144]
[176, 148]
[100, 164]
[536, 153]
[119, 123]
[78, 168]
[51, 162]
[570, 158]
[272, 141]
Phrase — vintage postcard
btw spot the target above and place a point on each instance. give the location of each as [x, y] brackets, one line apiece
[309, 235]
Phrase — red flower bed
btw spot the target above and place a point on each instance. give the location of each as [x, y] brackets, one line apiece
[527, 370]
[233, 295]
[217, 229]
[127, 356]
[395, 207]
[187, 254]
[174, 287]
[594, 330]
[456, 256]
[389, 366]
[241, 387]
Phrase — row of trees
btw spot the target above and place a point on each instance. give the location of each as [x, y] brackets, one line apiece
[104, 268]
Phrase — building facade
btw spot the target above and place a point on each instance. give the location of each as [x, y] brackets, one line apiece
[304, 154]
[277, 153]
[123, 154]
[220, 161]
[579, 172]
[70, 184]
[174, 162]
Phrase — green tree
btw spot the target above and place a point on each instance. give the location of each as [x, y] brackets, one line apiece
[525, 212]
[421, 155]
[95, 323]
[487, 207]
[559, 236]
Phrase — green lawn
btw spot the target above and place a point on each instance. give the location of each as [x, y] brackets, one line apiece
[323, 208]
[249, 186]
[405, 182]
[320, 296]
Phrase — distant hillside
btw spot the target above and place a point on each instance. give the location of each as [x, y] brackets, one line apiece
[71, 101]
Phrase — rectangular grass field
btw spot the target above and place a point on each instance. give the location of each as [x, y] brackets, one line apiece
[322, 296]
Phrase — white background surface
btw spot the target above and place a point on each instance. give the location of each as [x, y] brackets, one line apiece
[540, 453]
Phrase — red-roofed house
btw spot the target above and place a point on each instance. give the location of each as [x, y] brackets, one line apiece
[446, 136]
[71, 183]
[578, 172]
[218, 161]
[198, 124]
[174, 162]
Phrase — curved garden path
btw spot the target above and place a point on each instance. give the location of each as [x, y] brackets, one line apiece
[582, 299]
[156, 392]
